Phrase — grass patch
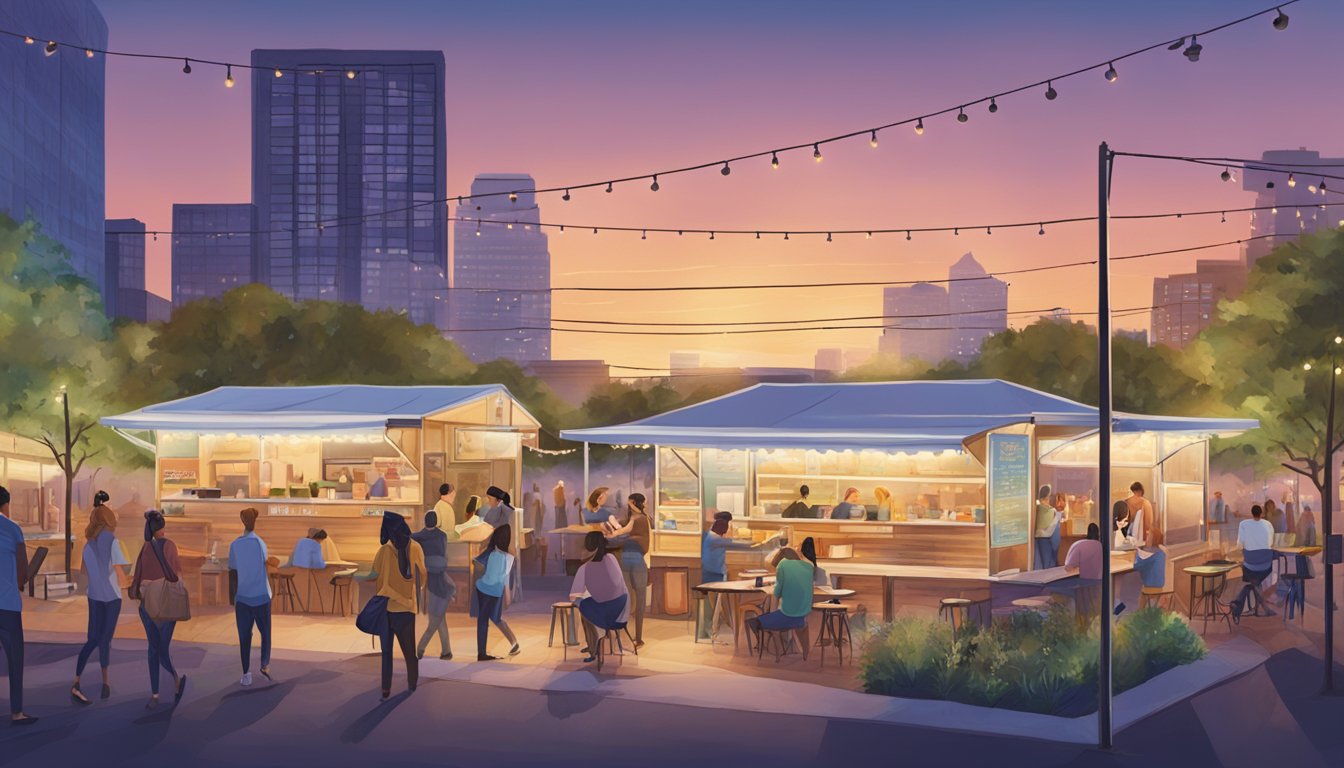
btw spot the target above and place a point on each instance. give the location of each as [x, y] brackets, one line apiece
[1033, 663]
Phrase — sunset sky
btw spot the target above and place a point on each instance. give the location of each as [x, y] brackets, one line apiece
[578, 92]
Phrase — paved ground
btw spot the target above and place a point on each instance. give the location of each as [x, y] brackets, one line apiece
[325, 711]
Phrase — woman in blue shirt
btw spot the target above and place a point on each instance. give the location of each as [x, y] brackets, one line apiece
[496, 566]
[102, 555]
[849, 508]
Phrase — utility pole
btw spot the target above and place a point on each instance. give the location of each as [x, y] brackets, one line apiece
[1104, 162]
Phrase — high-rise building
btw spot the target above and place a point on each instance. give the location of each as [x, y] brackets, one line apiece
[829, 359]
[348, 161]
[51, 126]
[501, 301]
[1184, 304]
[979, 304]
[125, 295]
[214, 249]
[915, 338]
[1291, 207]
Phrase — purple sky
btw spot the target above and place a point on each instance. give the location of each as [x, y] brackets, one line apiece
[577, 92]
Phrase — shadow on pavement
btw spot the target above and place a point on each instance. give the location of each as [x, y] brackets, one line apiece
[563, 704]
[367, 723]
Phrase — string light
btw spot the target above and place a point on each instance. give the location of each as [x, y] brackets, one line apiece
[993, 106]
[828, 237]
[1111, 74]
[726, 170]
[774, 160]
[1292, 180]
[961, 115]
[872, 140]
[565, 197]
[50, 48]
[919, 127]
[350, 74]
[27, 39]
[1226, 175]
[654, 186]
[1041, 231]
[88, 52]
[816, 152]
[278, 73]
[513, 197]
[1280, 21]
[608, 187]
[186, 66]
[228, 77]
[1192, 53]
[1050, 93]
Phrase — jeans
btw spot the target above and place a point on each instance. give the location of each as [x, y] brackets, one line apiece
[102, 623]
[707, 605]
[436, 607]
[160, 636]
[245, 616]
[1047, 552]
[11, 641]
[487, 610]
[636, 574]
[400, 625]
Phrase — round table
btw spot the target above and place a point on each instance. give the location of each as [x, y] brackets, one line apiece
[734, 591]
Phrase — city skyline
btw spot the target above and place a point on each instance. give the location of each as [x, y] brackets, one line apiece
[1160, 102]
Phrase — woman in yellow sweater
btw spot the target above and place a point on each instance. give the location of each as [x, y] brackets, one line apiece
[397, 567]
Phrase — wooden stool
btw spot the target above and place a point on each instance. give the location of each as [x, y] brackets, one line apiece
[954, 608]
[286, 591]
[1155, 595]
[782, 640]
[834, 630]
[340, 590]
[743, 612]
[313, 582]
[567, 613]
[610, 642]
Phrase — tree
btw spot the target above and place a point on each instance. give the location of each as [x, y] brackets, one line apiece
[1254, 359]
[59, 362]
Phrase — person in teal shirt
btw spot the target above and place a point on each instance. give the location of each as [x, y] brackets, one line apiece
[793, 587]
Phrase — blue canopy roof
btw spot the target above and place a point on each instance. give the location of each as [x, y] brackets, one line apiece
[898, 415]
[302, 409]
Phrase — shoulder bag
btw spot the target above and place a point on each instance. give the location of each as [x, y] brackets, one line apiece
[166, 599]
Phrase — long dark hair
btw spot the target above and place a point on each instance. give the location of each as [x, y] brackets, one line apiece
[101, 498]
[596, 543]
[154, 522]
[473, 504]
[499, 540]
[396, 531]
[809, 550]
[638, 500]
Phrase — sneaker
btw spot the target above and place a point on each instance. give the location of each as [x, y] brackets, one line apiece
[246, 679]
[446, 656]
[515, 650]
[266, 672]
[486, 657]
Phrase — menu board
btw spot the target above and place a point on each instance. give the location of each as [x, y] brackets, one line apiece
[1009, 490]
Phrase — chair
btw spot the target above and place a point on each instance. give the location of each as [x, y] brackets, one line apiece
[745, 610]
[1256, 566]
[610, 643]
[34, 568]
[1296, 598]
[834, 630]
[287, 591]
[954, 608]
[1157, 582]
[340, 590]
[566, 614]
[781, 641]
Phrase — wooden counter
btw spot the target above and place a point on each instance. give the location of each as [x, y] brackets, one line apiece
[935, 543]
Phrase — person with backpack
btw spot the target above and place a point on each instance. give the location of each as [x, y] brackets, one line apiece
[156, 569]
[398, 567]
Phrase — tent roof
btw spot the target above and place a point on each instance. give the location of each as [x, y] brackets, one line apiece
[311, 409]
[900, 415]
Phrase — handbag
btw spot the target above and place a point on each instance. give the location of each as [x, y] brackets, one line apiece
[166, 599]
[372, 618]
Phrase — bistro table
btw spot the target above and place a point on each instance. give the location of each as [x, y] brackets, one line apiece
[1212, 580]
[733, 591]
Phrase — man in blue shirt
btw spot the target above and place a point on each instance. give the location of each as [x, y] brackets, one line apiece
[252, 604]
[13, 575]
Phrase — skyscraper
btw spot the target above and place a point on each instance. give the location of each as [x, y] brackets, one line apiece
[214, 249]
[1291, 207]
[501, 305]
[979, 304]
[915, 338]
[51, 126]
[353, 141]
[1185, 304]
[123, 263]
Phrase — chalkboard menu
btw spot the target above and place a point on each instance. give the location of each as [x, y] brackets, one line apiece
[1009, 490]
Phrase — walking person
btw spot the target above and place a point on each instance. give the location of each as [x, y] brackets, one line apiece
[102, 555]
[158, 560]
[440, 590]
[398, 566]
[252, 604]
[13, 575]
[494, 585]
[600, 591]
[635, 536]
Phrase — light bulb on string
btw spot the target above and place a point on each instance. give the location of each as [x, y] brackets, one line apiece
[758, 235]
[956, 230]
[1041, 231]
[1192, 53]
[869, 236]
[1311, 188]
[816, 152]
[961, 115]
[1226, 175]
[786, 235]
[993, 106]
[278, 73]
[1223, 217]
[350, 74]
[1322, 186]
[919, 127]
[711, 235]
[774, 160]
[907, 234]
[594, 230]
[643, 234]
[872, 140]
[88, 52]
[654, 186]
[50, 48]
[1281, 21]
[828, 237]
[988, 231]
[228, 76]
[1050, 93]
[725, 170]
[1111, 74]
[28, 40]
[513, 197]
[1306, 366]
[1292, 180]
[608, 186]
[565, 197]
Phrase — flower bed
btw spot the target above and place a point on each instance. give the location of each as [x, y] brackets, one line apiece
[1033, 663]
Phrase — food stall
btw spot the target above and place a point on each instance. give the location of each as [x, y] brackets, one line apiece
[946, 474]
[329, 457]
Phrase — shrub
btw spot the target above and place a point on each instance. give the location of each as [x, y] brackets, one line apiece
[1033, 663]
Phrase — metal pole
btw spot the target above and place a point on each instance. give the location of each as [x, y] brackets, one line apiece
[585, 477]
[1104, 159]
[1327, 525]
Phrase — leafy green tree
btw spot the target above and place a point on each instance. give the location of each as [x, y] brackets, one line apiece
[54, 335]
[1253, 359]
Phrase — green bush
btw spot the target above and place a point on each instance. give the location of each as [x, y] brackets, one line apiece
[1032, 663]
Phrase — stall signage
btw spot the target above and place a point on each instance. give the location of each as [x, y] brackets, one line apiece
[1009, 490]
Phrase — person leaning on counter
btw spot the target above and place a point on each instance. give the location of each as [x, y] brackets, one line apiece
[800, 507]
[849, 508]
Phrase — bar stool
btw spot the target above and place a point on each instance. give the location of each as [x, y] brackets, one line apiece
[1154, 596]
[782, 642]
[286, 591]
[314, 582]
[610, 643]
[567, 614]
[953, 608]
[340, 590]
[834, 630]
[746, 610]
